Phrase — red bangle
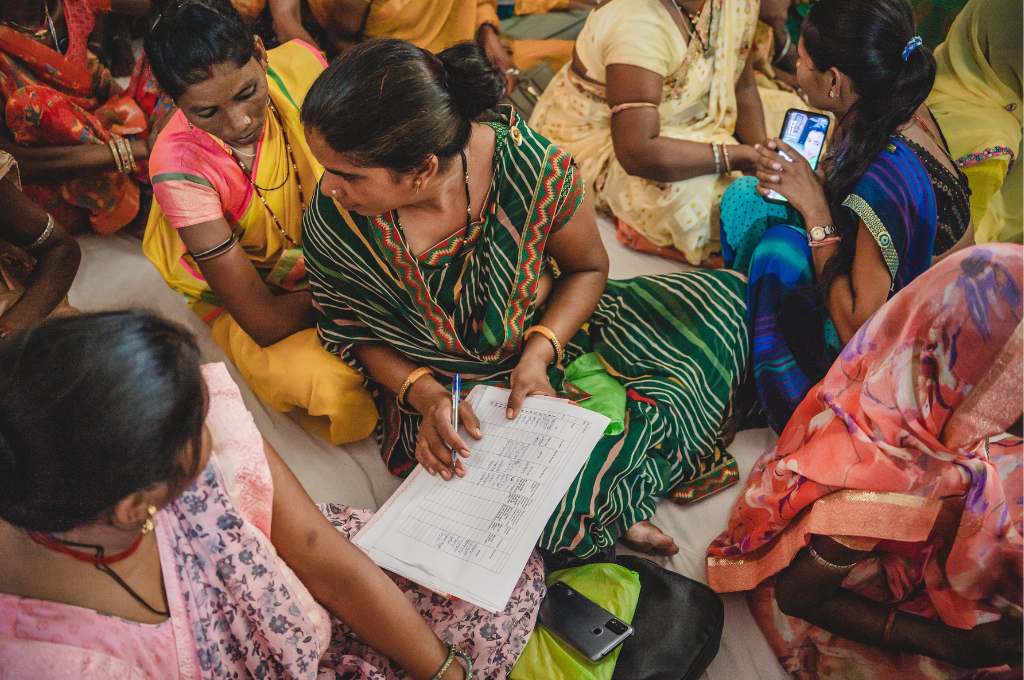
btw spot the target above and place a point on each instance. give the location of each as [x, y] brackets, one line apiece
[890, 623]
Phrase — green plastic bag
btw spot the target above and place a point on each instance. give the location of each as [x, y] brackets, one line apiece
[615, 588]
[607, 395]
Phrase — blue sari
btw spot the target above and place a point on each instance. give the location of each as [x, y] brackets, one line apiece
[793, 339]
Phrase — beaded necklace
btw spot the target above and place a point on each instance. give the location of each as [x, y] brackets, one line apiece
[259, 190]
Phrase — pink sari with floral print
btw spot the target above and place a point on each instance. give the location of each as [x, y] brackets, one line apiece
[236, 609]
[899, 450]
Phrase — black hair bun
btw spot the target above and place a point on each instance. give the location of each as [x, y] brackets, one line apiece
[475, 85]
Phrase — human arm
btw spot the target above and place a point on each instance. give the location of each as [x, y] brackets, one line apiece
[488, 38]
[50, 164]
[57, 258]
[810, 591]
[775, 13]
[266, 317]
[344, 580]
[636, 132]
[749, 113]
[583, 263]
[287, 20]
[855, 296]
[432, 400]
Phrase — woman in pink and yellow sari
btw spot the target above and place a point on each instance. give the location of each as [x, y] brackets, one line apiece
[882, 536]
[231, 172]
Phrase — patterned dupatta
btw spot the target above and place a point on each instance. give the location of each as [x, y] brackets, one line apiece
[463, 304]
[237, 609]
[899, 426]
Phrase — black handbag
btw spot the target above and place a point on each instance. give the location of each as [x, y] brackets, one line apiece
[678, 626]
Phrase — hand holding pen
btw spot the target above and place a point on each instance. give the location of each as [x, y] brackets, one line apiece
[439, 445]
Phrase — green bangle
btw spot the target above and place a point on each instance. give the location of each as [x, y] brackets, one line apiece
[466, 660]
[447, 663]
[454, 652]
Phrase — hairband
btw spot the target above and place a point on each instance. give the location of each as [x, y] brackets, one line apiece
[911, 45]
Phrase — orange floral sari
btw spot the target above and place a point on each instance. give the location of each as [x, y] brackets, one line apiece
[899, 450]
[55, 99]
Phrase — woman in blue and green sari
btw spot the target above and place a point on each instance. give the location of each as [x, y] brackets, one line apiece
[890, 202]
[472, 248]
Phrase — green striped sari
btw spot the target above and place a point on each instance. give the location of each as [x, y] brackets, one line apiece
[678, 341]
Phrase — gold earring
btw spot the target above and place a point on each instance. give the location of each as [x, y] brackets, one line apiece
[832, 93]
[417, 184]
[150, 522]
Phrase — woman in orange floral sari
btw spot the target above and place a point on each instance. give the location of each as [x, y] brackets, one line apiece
[881, 538]
[78, 138]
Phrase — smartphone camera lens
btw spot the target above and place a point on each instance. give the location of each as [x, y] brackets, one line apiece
[597, 631]
[616, 626]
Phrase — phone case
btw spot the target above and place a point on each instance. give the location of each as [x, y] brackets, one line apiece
[590, 629]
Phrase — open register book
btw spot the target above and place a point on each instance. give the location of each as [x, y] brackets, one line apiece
[470, 538]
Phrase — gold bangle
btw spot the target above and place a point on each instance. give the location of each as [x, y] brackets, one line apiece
[126, 153]
[725, 155]
[415, 375]
[115, 151]
[552, 338]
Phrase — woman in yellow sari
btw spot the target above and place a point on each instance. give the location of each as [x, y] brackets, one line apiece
[977, 101]
[230, 175]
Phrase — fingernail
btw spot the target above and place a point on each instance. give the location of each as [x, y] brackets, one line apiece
[477, 432]
[776, 166]
[465, 453]
[509, 413]
[757, 147]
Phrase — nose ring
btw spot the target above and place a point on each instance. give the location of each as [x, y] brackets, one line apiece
[334, 192]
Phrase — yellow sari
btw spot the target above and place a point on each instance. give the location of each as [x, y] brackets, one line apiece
[698, 104]
[977, 101]
[295, 372]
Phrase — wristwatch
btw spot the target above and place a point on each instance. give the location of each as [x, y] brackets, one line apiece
[822, 232]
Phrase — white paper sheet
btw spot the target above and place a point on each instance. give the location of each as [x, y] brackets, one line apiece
[470, 537]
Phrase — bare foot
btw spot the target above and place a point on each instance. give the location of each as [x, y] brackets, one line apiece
[646, 538]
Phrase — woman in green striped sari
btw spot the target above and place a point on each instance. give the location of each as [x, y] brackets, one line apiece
[471, 248]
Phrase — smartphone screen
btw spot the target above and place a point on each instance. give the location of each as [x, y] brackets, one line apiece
[805, 131]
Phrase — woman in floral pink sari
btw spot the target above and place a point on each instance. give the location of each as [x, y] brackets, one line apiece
[148, 532]
[881, 538]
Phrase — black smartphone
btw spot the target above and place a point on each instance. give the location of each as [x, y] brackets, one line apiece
[585, 626]
[805, 131]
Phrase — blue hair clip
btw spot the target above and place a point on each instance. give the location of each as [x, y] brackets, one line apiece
[911, 45]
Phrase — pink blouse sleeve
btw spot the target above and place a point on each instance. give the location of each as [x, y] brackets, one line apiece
[188, 187]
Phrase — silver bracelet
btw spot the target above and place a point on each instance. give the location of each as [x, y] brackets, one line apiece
[832, 566]
[718, 158]
[788, 45]
[45, 236]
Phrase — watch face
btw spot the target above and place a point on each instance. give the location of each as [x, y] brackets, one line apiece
[818, 233]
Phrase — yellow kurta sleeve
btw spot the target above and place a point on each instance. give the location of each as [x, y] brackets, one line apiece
[487, 13]
[540, 6]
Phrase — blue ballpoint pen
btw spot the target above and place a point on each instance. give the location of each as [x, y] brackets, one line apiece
[456, 397]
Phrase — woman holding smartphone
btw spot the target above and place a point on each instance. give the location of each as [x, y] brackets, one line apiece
[827, 252]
